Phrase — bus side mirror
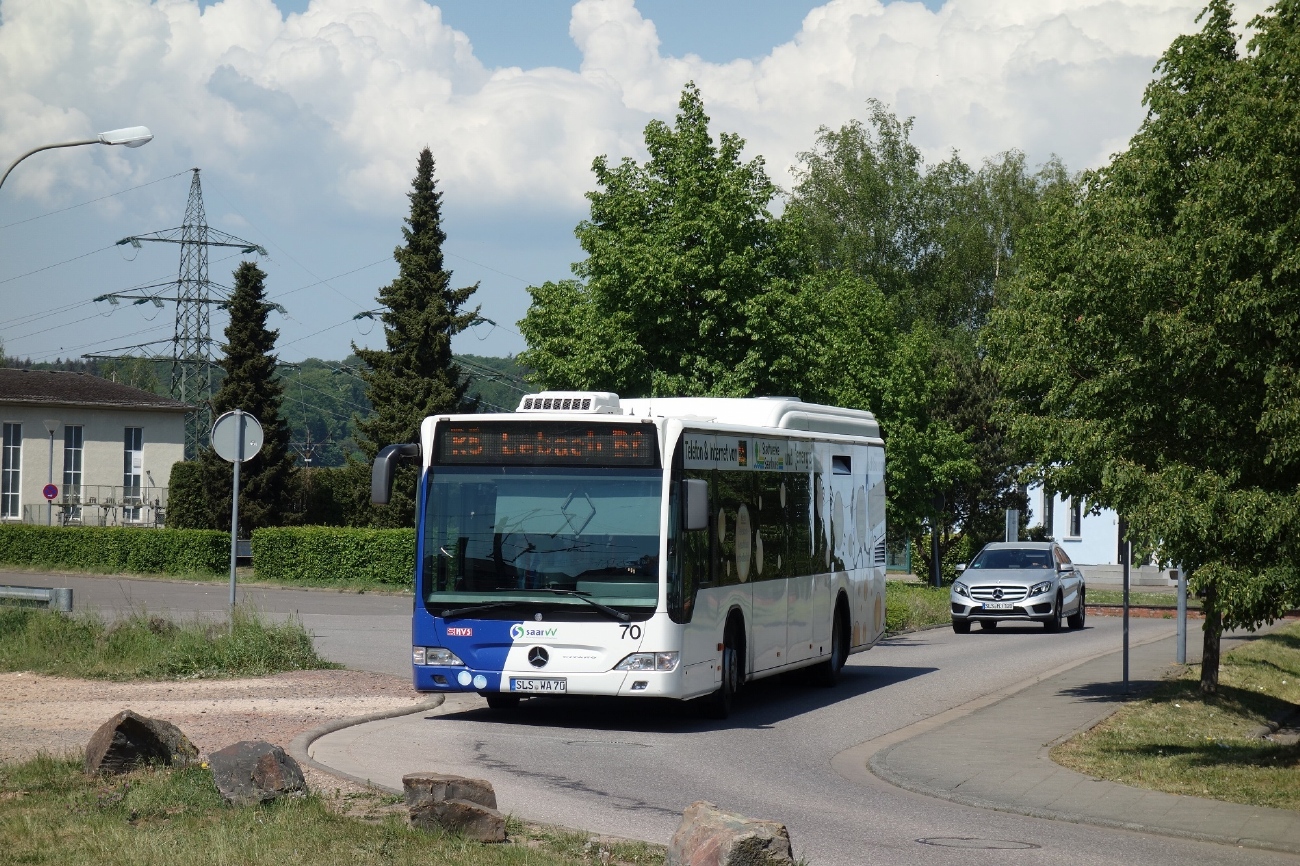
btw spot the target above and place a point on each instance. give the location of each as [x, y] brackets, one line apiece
[381, 473]
[695, 503]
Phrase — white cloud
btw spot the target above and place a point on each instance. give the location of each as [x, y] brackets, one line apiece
[333, 103]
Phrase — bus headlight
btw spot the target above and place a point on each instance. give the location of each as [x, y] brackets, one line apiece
[648, 662]
[435, 655]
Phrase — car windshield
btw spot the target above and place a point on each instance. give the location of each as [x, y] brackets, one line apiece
[522, 533]
[1004, 557]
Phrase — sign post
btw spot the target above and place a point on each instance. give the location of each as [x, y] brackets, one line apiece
[236, 437]
[1125, 557]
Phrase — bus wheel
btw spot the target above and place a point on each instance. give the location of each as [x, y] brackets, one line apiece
[501, 701]
[718, 704]
[827, 673]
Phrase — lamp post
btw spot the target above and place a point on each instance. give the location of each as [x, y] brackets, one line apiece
[51, 427]
[131, 136]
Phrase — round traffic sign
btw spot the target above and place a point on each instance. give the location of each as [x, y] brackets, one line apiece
[51, 491]
[237, 435]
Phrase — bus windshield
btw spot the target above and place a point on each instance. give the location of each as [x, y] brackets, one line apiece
[519, 533]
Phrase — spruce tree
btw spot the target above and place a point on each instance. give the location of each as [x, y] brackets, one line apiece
[416, 375]
[267, 482]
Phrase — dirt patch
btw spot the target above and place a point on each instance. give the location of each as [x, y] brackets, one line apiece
[57, 716]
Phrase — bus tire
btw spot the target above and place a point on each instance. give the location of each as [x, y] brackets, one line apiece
[827, 673]
[718, 705]
[501, 701]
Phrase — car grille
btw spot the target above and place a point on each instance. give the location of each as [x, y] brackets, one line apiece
[1009, 593]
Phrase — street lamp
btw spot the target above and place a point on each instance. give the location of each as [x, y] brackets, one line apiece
[51, 426]
[131, 136]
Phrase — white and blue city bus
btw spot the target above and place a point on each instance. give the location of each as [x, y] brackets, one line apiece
[587, 545]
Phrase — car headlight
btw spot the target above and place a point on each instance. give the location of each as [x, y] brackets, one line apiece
[648, 662]
[1040, 588]
[960, 588]
[435, 655]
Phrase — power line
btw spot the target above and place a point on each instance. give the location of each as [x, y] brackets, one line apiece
[91, 201]
[57, 264]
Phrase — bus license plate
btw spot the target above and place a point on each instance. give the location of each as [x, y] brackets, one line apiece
[998, 605]
[538, 685]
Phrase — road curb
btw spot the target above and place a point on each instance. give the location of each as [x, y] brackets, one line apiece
[301, 743]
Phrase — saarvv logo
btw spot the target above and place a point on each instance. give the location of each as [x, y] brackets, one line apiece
[521, 630]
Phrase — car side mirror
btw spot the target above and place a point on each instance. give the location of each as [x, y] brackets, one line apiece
[961, 566]
[1065, 567]
[695, 504]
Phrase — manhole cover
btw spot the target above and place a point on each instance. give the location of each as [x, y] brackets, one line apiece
[982, 844]
[617, 743]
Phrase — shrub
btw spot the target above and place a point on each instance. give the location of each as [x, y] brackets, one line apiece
[116, 549]
[327, 554]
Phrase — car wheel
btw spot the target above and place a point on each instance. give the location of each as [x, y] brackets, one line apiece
[1053, 623]
[988, 624]
[1077, 618]
[501, 701]
[718, 705]
[827, 673]
[961, 626]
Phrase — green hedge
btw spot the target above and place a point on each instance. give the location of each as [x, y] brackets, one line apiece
[113, 549]
[321, 554]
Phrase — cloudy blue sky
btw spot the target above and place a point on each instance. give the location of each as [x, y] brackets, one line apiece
[306, 117]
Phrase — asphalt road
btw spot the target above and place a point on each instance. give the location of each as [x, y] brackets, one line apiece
[630, 769]
[364, 631]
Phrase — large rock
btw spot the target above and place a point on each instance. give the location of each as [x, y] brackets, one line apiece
[129, 740]
[454, 803]
[421, 789]
[254, 771]
[707, 836]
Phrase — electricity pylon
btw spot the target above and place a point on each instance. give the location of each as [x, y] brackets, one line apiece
[191, 343]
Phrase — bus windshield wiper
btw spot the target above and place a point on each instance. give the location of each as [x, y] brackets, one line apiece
[582, 596]
[475, 608]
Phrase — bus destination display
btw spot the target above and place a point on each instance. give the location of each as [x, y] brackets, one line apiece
[547, 444]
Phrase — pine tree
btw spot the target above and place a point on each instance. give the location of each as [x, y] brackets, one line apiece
[416, 375]
[267, 482]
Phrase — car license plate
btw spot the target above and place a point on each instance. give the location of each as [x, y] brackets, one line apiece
[998, 605]
[553, 685]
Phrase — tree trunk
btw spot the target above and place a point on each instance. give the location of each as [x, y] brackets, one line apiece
[1212, 632]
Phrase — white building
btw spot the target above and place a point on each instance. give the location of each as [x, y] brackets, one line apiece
[108, 448]
[1090, 540]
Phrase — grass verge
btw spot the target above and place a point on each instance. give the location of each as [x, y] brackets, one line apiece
[51, 813]
[1174, 740]
[915, 605]
[145, 647]
[1152, 599]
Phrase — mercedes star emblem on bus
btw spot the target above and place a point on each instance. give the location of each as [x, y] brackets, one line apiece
[538, 657]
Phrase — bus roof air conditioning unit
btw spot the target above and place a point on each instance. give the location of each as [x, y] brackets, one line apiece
[583, 402]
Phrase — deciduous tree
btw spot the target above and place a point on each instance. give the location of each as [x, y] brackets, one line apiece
[682, 258]
[1149, 338]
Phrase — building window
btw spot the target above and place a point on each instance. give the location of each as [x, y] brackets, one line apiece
[1049, 511]
[11, 461]
[132, 473]
[72, 457]
[1076, 517]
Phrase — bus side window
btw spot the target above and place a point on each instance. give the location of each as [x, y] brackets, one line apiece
[773, 524]
[799, 506]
